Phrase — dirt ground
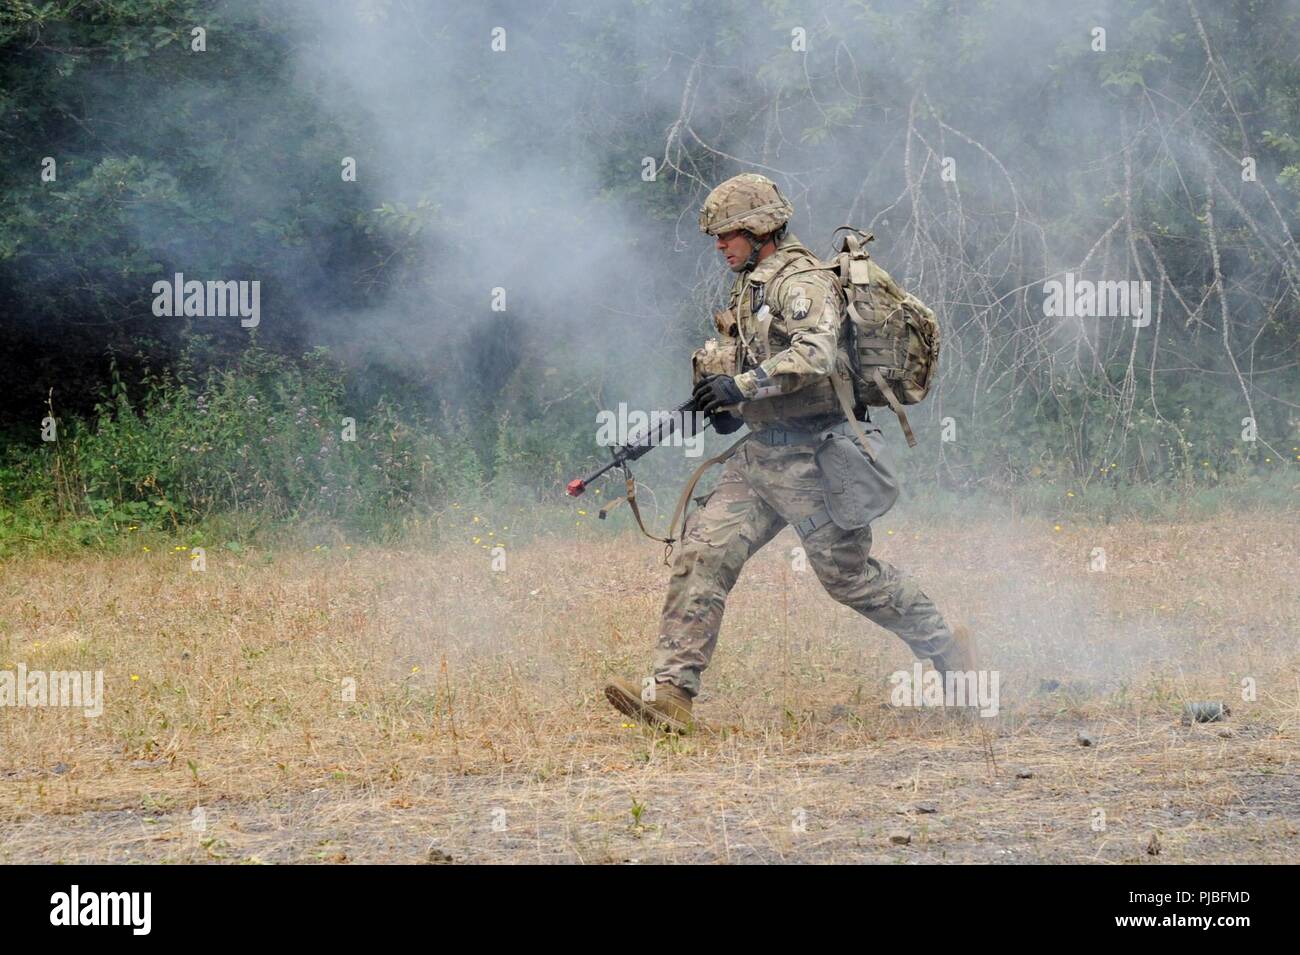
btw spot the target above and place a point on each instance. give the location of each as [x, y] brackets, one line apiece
[356, 704]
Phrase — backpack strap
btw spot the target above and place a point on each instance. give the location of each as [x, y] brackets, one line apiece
[843, 391]
[787, 255]
[786, 276]
[783, 257]
[780, 276]
[894, 406]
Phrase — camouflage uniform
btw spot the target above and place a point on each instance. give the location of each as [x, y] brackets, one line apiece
[787, 323]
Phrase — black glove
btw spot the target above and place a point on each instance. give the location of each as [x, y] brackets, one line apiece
[716, 392]
[725, 423]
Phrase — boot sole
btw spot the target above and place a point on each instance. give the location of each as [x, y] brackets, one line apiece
[635, 708]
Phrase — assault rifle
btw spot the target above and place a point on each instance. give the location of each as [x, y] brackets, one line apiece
[637, 448]
[641, 445]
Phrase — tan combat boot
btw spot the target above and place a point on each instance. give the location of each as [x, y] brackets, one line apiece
[961, 654]
[960, 657]
[670, 710]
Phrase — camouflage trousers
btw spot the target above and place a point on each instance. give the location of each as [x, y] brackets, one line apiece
[760, 491]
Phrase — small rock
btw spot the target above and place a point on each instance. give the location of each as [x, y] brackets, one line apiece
[1024, 774]
[1205, 712]
[1086, 739]
[436, 856]
[60, 768]
[1227, 733]
[1153, 845]
[926, 808]
[185, 654]
[1049, 686]
[900, 838]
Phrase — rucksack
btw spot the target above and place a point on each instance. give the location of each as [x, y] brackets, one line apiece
[891, 337]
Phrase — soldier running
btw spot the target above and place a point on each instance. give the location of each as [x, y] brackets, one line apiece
[785, 315]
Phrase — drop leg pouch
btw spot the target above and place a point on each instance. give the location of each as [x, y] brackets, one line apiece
[858, 490]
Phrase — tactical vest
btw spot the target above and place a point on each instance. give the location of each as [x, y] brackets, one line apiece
[758, 330]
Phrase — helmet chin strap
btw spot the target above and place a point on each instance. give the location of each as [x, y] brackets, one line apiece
[755, 244]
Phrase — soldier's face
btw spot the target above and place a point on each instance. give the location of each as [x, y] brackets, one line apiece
[734, 247]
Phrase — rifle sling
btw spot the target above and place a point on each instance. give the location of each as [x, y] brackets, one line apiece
[683, 501]
[636, 511]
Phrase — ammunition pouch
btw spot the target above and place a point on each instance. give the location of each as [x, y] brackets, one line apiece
[717, 357]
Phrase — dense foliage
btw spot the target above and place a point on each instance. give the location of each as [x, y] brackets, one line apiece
[523, 172]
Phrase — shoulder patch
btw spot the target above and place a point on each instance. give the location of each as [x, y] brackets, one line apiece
[803, 296]
[800, 303]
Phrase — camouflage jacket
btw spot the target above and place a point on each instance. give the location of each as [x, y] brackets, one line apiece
[788, 324]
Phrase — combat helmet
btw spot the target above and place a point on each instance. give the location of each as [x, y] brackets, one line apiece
[749, 202]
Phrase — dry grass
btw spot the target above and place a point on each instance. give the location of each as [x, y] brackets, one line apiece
[479, 733]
